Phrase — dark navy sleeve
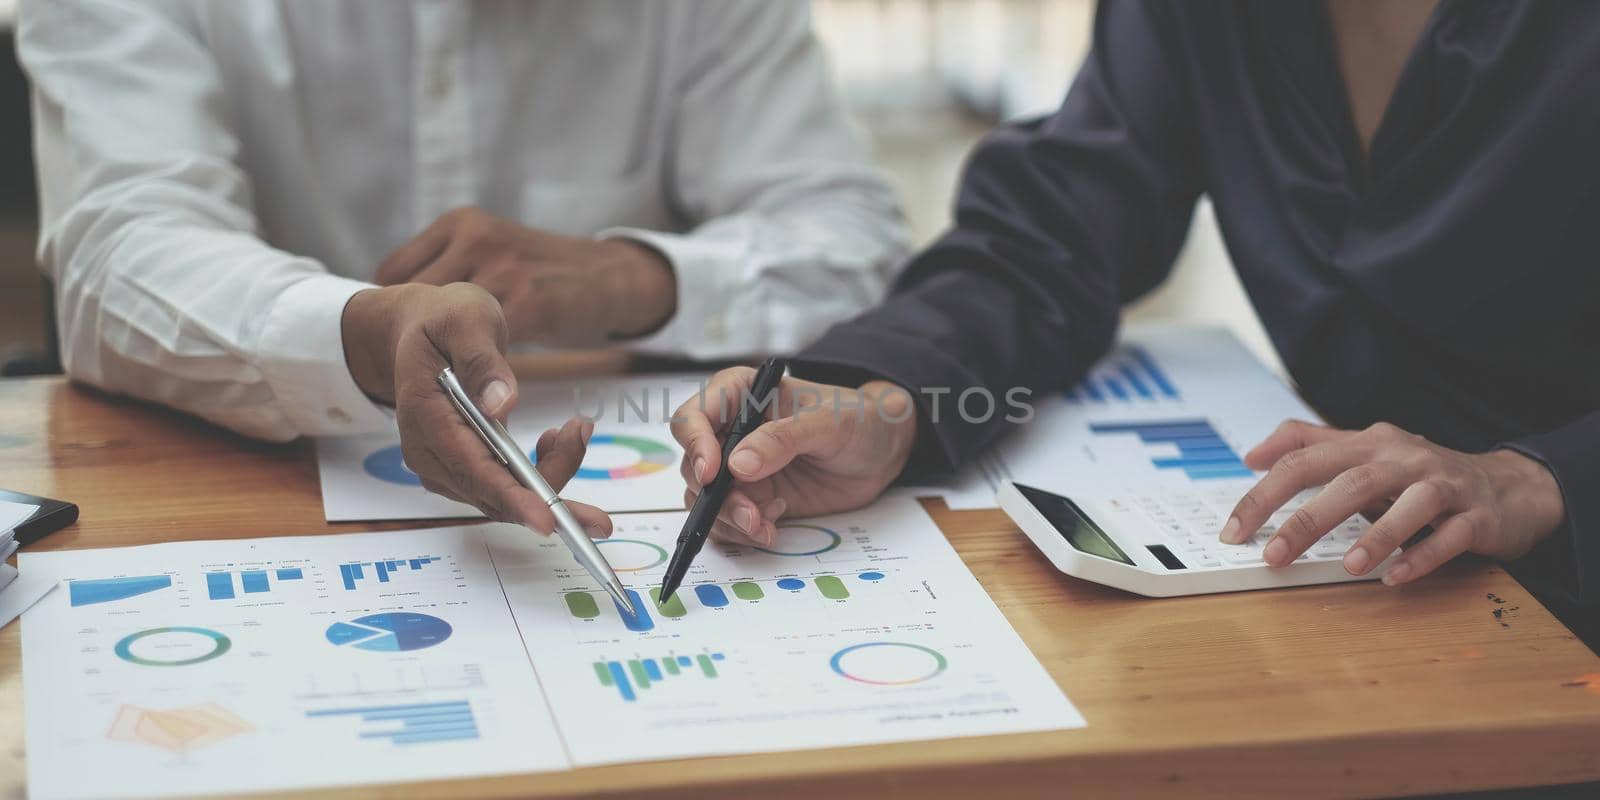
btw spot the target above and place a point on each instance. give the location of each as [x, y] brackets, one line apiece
[1568, 563]
[1058, 222]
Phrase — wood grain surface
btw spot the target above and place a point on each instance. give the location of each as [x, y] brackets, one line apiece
[1460, 681]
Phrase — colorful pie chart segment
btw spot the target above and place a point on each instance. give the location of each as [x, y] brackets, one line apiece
[616, 457]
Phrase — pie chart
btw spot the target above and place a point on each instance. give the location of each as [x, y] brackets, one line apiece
[390, 632]
[389, 465]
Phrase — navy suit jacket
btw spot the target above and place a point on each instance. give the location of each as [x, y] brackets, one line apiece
[1448, 282]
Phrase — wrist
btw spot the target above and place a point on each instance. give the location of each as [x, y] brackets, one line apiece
[1528, 491]
[647, 288]
[893, 405]
[366, 329]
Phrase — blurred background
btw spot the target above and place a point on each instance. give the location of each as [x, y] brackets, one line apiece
[924, 78]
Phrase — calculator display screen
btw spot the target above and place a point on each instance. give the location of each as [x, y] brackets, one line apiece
[1073, 524]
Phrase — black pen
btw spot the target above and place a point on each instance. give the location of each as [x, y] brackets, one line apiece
[706, 507]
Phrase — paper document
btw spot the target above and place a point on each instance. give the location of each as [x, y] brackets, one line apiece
[268, 664]
[1170, 407]
[857, 628]
[18, 593]
[14, 514]
[631, 464]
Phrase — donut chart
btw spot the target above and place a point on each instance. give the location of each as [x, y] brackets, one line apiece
[888, 663]
[619, 457]
[803, 540]
[632, 555]
[623, 457]
[177, 646]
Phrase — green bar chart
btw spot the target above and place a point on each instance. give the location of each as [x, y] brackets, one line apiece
[634, 675]
[671, 609]
[589, 604]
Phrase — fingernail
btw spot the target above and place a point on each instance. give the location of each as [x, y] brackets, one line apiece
[495, 395]
[745, 461]
[1230, 531]
[1396, 574]
[775, 509]
[597, 532]
[587, 430]
[700, 468]
[1356, 561]
[769, 534]
[1277, 551]
[744, 519]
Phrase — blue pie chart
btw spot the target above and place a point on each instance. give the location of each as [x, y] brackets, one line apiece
[389, 464]
[390, 632]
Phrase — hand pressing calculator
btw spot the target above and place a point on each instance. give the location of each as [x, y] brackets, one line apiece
[1164, 543]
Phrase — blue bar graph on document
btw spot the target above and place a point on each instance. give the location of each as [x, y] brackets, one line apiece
[385, 571]
[1202, 452]
[409, 724]
[220, 585]
[1130, 376]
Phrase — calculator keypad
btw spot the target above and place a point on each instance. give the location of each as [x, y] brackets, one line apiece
[1189, 522]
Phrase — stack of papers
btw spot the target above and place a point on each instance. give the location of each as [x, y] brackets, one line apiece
[12, 515]
[454, 652]
[16, 594]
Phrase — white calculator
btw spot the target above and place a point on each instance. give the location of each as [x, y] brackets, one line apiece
[1163, 543]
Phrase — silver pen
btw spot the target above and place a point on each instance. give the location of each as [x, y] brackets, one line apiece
[508, 452]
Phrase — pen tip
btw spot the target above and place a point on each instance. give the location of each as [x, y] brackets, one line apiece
[621, 597]
[669, 586]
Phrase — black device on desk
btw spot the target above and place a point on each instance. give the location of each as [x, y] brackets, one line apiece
[53, 515]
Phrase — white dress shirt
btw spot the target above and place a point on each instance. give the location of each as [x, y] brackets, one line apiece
[218, 178]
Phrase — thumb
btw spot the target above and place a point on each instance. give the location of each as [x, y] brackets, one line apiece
[476, 351]
[487, 377]
[772, 446]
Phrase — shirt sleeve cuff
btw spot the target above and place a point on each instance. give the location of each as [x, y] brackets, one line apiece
[1569, 561]
[853, 352]
[301, 354]
[700, 328]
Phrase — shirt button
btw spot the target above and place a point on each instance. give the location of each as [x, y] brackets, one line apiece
[338, 415]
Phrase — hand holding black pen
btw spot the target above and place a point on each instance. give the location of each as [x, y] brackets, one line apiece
[706, 507]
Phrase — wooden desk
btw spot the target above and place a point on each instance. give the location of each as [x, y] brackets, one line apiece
[1461, 681]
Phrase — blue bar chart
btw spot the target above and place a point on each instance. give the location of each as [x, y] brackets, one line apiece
[417, 723]
[110, 590]
[1130, 376]
[221, 585]
[357, 571]
[1202, 452]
